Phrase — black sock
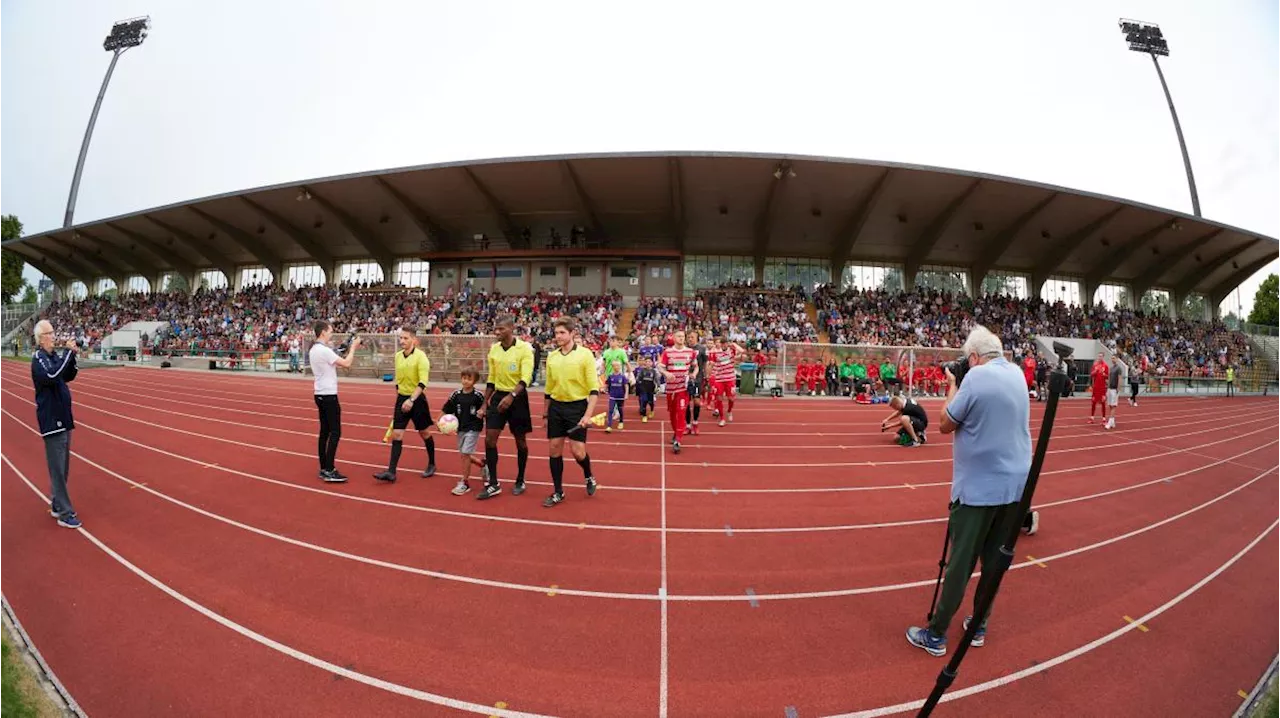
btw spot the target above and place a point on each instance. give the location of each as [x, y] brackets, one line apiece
[585, 463]
[557, 473]
[522, 458]
[491, 458]
[430, 441]
[697, 411]
[396, 447]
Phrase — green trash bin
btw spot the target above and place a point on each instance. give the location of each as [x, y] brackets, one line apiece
[748, 386]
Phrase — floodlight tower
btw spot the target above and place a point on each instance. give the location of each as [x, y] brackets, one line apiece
[1146, 37]
[124, 35]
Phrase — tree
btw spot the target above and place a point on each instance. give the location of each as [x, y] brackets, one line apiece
[30, 296]
[1194, 307]
[1000, 284]
[1155, 303]
[892, 280]
[952, 282]
[11, 263]
[1265, 308]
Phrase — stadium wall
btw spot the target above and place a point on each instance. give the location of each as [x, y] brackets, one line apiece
[633, 279]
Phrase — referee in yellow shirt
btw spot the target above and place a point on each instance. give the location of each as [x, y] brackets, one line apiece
[506, 403]
[413, 373]
[572, 389]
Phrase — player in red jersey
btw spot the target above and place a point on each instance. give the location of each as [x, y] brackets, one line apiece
[678, 364]
[1098, 381]
[722, 366]
[1029, 371]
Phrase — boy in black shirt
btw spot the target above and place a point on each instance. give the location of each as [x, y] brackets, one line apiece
[646, 387]
[464, 403]
[910, 417]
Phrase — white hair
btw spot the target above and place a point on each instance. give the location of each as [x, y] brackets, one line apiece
[35, 331]
[983, 343]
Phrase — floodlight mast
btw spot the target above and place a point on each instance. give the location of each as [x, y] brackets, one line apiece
[1147, 38]
[124, 35]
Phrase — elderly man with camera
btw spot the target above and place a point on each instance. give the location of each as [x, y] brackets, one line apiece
[988, 410]
[50, 371]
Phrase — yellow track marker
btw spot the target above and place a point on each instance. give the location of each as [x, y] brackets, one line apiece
[131, 488]
[552, 592]
[499, 704]
[581, 526]
[1242, 694]
[1037, 561]
[1141, 627]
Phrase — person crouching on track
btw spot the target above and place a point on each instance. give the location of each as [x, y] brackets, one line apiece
[467, 405]
[909, 417]
[990, 415]
[646, 387]
[324, 367]
[413, 373]
[572, 391]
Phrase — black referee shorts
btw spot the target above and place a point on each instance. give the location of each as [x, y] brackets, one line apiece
[420, 414]
[517, 416]
[563, 418]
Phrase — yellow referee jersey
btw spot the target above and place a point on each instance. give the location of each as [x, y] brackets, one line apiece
[572, 376]
[508, 367]
[412, 370]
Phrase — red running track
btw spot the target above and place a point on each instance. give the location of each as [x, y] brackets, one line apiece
[770, 568]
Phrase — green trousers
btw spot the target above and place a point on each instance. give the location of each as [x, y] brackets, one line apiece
[977, 532]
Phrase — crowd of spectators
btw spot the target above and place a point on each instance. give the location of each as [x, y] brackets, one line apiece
[933, 318]
[265, 318]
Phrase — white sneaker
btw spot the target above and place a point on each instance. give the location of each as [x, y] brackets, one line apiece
[461, 488]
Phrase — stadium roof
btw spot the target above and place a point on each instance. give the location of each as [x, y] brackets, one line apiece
[697, 203]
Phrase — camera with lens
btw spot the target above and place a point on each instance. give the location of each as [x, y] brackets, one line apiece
[958, 369]
[346, 344]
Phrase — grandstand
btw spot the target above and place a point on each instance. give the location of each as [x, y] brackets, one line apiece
[770, 249]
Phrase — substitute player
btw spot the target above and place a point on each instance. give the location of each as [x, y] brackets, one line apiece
[1098, 383]
[506, 403]
[679, 365]
[572, 391]
[413, 373]
[723, 362]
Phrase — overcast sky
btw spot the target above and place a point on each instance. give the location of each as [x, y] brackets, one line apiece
[236, 94]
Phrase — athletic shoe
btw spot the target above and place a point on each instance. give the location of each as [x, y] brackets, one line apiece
[644, 419]
[1035, 523]
[675, 446]
[429, 471]
[924, 638]
[620, 426]
[518, 488]
[608, 430]
[924, 438]
[489, 491]
[722, 422]
[331, 477]
[388, 476]
[70, 521]
[731, 417]
[462, 488]
[338, 474]
[55, 513]
[553, 500]
[979, 638]
[591, 486]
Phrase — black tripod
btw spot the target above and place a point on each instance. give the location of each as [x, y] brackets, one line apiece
[948, 674]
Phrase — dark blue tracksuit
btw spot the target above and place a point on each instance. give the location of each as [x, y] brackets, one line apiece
[50, 372]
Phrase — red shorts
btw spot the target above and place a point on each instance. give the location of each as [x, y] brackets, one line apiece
[725, 388]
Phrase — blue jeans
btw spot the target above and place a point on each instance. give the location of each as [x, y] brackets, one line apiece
[57, 453]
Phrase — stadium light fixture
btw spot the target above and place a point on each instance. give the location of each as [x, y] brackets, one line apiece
[124, 35]
[1147, 38]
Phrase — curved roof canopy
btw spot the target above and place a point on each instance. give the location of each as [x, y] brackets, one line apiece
[696, 203]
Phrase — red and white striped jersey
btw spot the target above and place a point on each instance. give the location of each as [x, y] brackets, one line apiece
[721, 364]
[678, 363]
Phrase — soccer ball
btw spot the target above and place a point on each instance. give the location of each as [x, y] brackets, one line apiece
[448, 424]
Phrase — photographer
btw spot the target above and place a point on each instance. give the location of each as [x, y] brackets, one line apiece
[324, 367]
[988, 410]
[50, 372]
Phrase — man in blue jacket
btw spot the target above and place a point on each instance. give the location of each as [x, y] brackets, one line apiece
[50, 372]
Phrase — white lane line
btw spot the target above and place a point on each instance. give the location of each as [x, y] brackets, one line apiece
[630, 488]
[276, 645]
[623, 527]
[1069, 655]
[662, 589]
[662, 596]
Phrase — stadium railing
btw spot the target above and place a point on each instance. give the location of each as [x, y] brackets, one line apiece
[449, 355]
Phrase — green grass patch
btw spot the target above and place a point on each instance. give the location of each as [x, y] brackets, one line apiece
[1269, 706]
[17, 701]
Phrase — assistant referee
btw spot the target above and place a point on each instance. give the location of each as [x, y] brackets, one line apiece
[572, 390]
[506, 403]
[413, 373]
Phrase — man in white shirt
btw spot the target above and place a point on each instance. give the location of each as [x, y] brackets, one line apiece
[324, 367]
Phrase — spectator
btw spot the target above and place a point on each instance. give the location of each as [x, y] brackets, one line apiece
[50, 372]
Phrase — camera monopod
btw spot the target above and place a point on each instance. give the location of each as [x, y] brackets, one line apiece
[948, 674]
